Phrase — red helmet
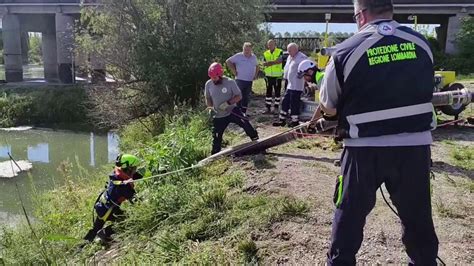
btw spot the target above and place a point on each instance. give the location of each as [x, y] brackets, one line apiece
[215, 70]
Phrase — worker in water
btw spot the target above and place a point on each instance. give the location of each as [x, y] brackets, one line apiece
[273, 58]
[119, 188]
[308, 70]
[379, 83]
[295, 87]
[222, 95]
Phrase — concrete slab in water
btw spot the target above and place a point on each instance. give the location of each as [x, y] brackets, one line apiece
[22, 128]
[6, 170]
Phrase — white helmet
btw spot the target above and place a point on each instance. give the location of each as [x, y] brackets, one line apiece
[304, 66]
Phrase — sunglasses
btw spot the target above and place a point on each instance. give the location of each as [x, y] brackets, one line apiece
[356, 15]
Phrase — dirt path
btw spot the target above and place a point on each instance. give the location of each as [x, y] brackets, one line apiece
[305, 169]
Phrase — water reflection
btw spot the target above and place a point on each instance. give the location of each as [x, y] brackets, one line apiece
[92, 163]
[5, 150]
[112, 146]
[47, 150]
[38, 153]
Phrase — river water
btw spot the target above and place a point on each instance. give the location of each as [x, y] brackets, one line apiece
[46, 150]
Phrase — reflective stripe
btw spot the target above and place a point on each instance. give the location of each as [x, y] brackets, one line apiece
[282, 117]
[283, 113]
[399, 112]
[374, 38]
[359, 52]
[412, 38]
[107, 214]
[391, 113]
[340, 181]
[294, 118]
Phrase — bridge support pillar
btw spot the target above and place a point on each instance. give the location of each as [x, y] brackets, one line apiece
[25, 46]
[441, 32]
[454, 25]
[65, 45]
[12, 55]
[50, 56]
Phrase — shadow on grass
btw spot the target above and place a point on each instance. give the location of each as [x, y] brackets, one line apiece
[443, 167]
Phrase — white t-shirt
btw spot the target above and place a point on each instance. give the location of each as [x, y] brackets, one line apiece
[291, 72]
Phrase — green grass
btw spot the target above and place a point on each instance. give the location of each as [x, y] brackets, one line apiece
[447, 211]
[463, 156]
[259, 87]
[198, 217]
[469, 77]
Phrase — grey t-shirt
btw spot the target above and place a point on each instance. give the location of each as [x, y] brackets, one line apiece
[329, 97]
[246, 66]
[221, 93]
[291, 72]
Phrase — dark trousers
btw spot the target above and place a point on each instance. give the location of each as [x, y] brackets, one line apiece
[246, 88]
[220, 124]
[273, 90]
[406, 174]
[99, 222]
[291, 100]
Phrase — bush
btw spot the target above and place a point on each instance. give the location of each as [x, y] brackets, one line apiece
[462, 62]
[14, 109]
[61, 107]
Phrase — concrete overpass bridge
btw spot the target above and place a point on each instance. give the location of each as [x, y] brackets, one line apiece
[446, 13]
[56, 20]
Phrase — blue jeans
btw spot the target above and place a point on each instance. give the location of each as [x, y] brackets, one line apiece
[245, 87]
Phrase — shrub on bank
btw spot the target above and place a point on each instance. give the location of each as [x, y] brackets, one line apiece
[44, 107]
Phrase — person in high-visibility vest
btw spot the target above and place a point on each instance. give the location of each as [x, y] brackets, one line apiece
[273, 58]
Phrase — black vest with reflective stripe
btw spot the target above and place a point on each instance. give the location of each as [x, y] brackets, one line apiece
[386, 76]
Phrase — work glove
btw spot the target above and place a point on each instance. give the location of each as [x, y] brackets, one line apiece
[312, 128]
[210, 110]
[224, 106]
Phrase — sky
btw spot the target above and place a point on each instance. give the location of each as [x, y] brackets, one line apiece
[319, 27]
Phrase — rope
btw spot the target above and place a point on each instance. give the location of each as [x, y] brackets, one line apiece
[203, 162]
[451, 122]
[310, 136]
[128, 181]
[396, 213]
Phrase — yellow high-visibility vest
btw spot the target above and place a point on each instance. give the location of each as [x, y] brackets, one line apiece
[275, 70]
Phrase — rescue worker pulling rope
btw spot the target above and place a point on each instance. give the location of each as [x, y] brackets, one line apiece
[117, 190]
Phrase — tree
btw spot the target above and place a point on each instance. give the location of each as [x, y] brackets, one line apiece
[465, 38]
[287, 35]
[160, 50]
[35, 53]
